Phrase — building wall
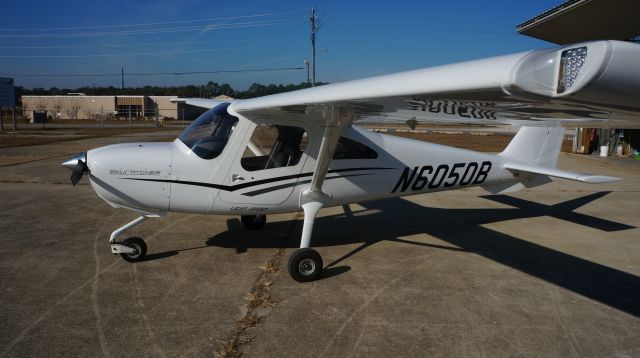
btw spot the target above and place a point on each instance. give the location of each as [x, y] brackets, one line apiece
[165, 106]
[91, 107]
[68, 107]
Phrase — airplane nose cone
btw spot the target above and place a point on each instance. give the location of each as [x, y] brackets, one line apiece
[78, 166]
[73, 161]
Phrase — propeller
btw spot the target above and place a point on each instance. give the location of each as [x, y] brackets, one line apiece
[78, 166]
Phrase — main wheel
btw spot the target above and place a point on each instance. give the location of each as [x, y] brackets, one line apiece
[138, 245]
[253, 222]
[305, 265]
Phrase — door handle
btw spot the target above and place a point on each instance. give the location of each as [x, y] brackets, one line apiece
[236, 177]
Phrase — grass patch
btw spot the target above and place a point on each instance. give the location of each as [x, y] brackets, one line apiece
[257, 299]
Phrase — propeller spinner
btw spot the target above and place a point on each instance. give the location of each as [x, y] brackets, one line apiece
[78, 166]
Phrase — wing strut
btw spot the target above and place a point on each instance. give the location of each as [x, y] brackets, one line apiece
[336, 120]
[313, 198]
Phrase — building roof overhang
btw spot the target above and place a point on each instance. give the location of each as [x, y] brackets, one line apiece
[585, 20]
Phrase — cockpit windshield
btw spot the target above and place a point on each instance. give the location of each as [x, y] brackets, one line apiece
[208, 134]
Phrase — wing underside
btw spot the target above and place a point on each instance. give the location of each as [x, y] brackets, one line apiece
[595, 84]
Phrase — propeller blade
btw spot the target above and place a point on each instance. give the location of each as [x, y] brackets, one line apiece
[77, 172]
[78, 166]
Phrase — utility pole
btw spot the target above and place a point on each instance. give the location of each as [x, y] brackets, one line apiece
[306, 64]
[122, 79]
[315, 27]
[157, 116]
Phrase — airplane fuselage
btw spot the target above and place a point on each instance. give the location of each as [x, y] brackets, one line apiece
[297, 151]
[156, 178]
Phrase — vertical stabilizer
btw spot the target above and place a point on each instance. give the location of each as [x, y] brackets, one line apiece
[536, 145]
[532, 156]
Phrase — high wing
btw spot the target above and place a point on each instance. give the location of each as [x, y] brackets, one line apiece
[591, 84]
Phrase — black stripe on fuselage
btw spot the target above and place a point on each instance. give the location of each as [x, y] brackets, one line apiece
[254, 183]
[288, 185]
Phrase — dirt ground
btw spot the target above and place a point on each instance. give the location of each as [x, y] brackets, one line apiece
[481, 143]
[25, 138]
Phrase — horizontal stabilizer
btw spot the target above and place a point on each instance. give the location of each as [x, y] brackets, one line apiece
[554, 172]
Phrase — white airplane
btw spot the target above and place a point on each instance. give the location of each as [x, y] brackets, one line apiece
[299, 150]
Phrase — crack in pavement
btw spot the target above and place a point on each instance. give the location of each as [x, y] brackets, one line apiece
[91, 281]
[258, 303]
[94, 291]
[42, 316]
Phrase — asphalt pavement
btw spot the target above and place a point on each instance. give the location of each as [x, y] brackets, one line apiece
[552, 271]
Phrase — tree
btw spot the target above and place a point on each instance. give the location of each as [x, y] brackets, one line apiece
[412, 123]
[57, 108]
[210, 89]
[41, 105]
[89, 113]
[72, 107]
[226, 90]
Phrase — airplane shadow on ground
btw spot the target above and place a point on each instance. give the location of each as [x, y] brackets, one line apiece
[388, 220]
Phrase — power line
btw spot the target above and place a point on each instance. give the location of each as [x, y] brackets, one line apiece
[147, 24]
[208, 27]
[124, 54]
[150, 73]
[138, 44]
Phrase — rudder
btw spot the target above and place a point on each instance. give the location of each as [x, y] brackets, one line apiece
[536, 145]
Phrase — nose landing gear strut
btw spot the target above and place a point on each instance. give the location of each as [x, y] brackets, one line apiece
[132, 249]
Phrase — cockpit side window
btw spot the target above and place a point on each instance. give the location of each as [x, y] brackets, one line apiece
[208, 134]
[351, 149]
[274, 146]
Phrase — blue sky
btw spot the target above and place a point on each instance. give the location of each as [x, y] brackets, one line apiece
[357, 38]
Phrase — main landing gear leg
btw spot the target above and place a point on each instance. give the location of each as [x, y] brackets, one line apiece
[306, 264]
[132, 249]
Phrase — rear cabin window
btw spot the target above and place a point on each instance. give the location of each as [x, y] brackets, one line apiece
[351, 149]
[274, 146]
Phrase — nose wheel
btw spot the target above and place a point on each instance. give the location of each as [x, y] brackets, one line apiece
[138, 249]
[305, 265]
[132, 249]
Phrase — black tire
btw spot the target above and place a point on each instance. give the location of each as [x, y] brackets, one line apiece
[305, 265]
[137, 244]
[253, 222]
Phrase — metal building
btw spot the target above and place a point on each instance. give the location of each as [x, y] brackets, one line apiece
[79, 106]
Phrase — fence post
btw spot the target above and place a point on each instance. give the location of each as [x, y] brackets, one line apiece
[157, 117]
